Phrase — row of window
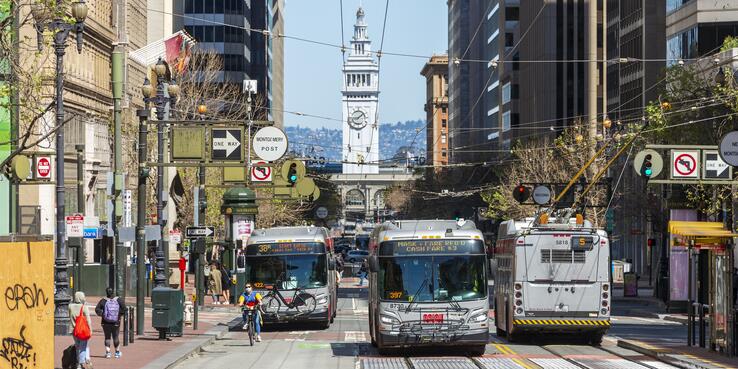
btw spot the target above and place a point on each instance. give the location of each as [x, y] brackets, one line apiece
[698, 40]
[218, 34]
[672, 5]
[215, 7]
[358, 80]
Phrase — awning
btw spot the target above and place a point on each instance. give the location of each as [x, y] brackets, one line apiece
[701, 232]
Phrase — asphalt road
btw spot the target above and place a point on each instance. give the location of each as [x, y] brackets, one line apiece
[346, 345]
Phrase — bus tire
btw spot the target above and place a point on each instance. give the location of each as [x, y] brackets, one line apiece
[326, 324]
[595, 339]
[477, 350]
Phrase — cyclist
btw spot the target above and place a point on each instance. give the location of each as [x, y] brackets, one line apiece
[251, 299]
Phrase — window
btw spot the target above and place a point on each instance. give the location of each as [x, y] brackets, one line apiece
[506, 121]
[443, 110]
[444, 123]
[506, 93]
[672, 5]
[512, 13]
[443, 138]
[369, 79]
[443, 153]
[509, 40]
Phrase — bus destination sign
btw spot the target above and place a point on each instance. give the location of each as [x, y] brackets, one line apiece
[285, 248]
[431, 246]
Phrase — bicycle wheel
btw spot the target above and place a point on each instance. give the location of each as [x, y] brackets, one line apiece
[251, 330]
[304, 303]
[272, 304]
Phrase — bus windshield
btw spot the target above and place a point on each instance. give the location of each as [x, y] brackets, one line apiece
[303, 271]
[426, 278]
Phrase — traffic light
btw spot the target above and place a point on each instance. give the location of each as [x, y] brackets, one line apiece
[292, 174]
[647, 167]
[521, 193]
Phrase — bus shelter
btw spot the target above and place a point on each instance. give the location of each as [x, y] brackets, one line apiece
[710, 281]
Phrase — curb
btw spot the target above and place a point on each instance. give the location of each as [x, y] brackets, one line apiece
[180, 354]
[661, 355]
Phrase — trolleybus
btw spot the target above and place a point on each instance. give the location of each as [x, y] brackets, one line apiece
[552, 278]
[428, 286]
[299, 262]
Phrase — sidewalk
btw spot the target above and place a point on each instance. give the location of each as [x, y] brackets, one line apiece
[147, 351]
[681, 356]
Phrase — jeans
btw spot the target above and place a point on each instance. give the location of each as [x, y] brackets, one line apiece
[257, 321]
[83, 351]
[362, 276]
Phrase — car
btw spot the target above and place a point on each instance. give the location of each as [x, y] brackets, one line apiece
[357, 256]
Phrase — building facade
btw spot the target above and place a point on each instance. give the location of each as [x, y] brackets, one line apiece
[228, 28]
[360, 96]
[696, 28]
[435, 72]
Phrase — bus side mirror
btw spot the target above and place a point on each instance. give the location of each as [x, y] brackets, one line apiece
[373, 263]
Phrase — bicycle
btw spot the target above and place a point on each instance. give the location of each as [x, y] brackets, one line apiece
[304, 303]
[251, 311]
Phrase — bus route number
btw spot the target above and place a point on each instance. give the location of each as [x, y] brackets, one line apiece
[395, 295]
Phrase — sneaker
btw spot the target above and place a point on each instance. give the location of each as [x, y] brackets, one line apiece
[246, 327]
[118, 354]
[258, 338]
[108, 355]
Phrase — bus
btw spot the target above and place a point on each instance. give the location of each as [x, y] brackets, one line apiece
[428, 286]
[295, 260]
[552, 278]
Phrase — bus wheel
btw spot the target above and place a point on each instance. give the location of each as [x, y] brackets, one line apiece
[595, 339]
[477, 350]
[326, 324]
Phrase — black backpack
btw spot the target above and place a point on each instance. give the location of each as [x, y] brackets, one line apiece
[69, 358]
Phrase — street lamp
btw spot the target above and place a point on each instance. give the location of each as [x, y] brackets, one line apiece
[143, 173]
[160, 101]
[60, 28]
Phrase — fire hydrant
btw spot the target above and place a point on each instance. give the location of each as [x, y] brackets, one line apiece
[188, 311]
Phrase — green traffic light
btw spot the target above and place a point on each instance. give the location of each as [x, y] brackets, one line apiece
[293, 178]
[648, 172]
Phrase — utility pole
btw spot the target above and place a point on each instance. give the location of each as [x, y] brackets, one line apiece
[80, 257]
[143, 173]
[118, 66]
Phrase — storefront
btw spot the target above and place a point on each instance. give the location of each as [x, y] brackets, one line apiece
[708, 251]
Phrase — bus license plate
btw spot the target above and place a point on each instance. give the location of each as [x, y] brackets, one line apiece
[433, 318]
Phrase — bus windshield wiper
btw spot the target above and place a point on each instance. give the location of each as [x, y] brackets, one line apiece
[415, 296]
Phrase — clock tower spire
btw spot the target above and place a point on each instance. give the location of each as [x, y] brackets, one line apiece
[359, 101]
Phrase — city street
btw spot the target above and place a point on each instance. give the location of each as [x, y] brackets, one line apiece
[346, 345]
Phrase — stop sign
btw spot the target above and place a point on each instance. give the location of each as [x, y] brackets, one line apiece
[43, 167]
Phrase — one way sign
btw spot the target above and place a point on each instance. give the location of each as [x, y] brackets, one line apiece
[715, 167]
[227, 143]
[199, 232]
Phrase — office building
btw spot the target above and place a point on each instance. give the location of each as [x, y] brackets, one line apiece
[695, 28]
[435, 72]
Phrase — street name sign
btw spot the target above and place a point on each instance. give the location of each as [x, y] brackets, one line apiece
[43, 167]
[261, 173]
[685, 164]
[75, 225]
[729, 148]
[270, 143]
[226, 143]
[199, 232]
[714, 167]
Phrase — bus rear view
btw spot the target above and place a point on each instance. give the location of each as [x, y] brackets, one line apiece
[428, 287]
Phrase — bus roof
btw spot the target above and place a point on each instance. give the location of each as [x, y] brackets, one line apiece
[289, 234]
[419, 229]
[515, 227]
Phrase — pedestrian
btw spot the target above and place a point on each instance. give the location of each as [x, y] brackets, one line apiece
[226, 281]
[215, 282]
[76, 309]
[339, 266]
[111, 309]
[363, 272]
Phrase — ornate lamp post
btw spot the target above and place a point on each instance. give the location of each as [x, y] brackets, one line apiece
[160, 101]
[45, 20]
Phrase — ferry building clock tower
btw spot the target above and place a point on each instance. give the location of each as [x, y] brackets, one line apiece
[359, 102]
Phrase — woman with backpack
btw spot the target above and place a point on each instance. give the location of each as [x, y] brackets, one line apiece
[82, 329]
[111, 309]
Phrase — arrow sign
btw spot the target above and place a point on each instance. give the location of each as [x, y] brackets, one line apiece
[715, 167]
[199, 232]
[226, 143]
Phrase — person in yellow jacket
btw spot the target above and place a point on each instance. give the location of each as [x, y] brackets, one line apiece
[251, 299]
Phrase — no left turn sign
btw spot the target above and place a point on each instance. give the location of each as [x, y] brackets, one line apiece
[685, 164]
[260, 173]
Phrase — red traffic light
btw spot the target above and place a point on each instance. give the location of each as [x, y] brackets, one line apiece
[651, 242]
[521, 193]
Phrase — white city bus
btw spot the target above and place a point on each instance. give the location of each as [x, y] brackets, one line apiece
[428, 286]
[552, 278]
[297, 260]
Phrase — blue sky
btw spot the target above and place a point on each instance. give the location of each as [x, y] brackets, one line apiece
[313, 72]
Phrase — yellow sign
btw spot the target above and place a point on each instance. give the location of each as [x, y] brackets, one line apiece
[27, 306]
[188, 143]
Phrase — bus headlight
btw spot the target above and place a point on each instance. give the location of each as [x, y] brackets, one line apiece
[322, 300]
[388, 319]
[480, 318]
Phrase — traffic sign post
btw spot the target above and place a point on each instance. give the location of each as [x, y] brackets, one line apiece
[199, 232]
[260, 172]
[43, 167]
[685, 164]
[270, 143]
[226, 144]
[541, 195]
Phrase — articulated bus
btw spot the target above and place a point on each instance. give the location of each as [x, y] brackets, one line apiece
[428, 286]
[292, 259]
[552, 278]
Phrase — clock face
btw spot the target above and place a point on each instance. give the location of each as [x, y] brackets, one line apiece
[357, 119]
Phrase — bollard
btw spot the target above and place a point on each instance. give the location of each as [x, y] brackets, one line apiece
[690, 324]
[703, 324]
[125, 327]
[131, 322]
